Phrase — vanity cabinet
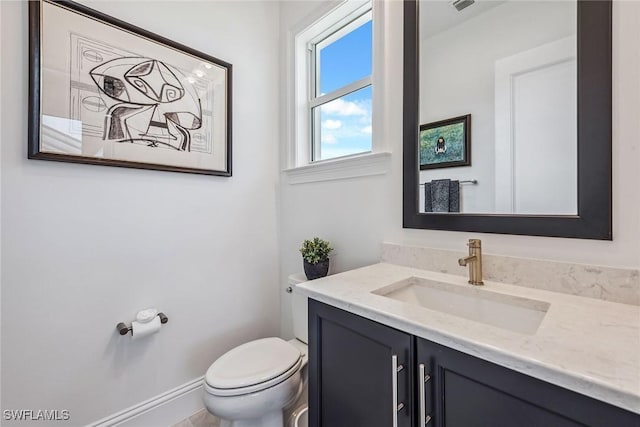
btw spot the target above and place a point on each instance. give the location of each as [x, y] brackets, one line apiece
[465, 391]
[359, 371]
[353, 382]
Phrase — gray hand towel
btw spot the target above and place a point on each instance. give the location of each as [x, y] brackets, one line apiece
[454, 196]
[427, 197]
[430, 191]
[440, 195]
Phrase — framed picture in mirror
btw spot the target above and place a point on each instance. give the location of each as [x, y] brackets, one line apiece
[446, 143]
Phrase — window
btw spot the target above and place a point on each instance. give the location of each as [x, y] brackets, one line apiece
[339, 64]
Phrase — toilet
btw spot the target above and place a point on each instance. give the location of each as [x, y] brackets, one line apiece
[254, 384]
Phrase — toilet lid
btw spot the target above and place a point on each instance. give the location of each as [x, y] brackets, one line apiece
[252, 363]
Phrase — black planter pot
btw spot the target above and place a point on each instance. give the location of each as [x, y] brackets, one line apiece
[315, 271]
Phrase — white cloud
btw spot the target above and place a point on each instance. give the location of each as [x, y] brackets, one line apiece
[346, 127]
[331, 124]
[341, 107]
[329, 139]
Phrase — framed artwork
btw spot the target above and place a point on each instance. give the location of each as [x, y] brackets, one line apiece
[445, 143]
[104, 92]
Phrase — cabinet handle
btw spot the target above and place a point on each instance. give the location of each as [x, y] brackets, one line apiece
[395, 369]
[422, 380]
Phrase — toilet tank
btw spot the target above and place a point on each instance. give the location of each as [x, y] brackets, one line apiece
[299, 308]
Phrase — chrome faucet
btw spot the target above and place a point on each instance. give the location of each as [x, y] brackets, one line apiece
[474, 260]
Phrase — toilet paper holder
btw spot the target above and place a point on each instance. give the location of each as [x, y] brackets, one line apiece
[123, 329]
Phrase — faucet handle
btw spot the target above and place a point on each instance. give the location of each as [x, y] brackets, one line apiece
[474, 243]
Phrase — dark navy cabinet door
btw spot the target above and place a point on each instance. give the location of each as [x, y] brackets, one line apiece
[465, 391]
[351, 380]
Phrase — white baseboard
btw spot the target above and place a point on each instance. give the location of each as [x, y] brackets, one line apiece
[165, 409]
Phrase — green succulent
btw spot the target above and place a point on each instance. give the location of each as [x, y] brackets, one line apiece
[315, 251]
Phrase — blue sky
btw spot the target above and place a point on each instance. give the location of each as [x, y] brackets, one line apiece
[346, 122]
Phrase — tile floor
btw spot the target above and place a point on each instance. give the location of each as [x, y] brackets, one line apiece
[201, 418]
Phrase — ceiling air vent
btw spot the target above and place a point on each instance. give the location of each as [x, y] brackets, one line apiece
[461, 4]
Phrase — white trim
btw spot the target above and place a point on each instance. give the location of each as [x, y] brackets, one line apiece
[345, 24]
[506, 70]
[189, 394]
[292, 129]
[339, 93]
[297, 124]
[387, 61]
[360, 165]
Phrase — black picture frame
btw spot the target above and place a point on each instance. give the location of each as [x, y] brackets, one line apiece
[465, 121]
[36, 91]
[594, 106]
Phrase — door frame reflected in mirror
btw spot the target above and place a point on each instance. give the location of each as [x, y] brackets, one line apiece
[594, 75]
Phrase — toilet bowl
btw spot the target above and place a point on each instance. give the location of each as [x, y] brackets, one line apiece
[253, 384]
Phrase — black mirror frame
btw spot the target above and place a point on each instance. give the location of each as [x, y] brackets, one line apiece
[594, 218]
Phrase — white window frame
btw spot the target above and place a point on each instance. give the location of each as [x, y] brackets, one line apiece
[296, 160]
[334, 32]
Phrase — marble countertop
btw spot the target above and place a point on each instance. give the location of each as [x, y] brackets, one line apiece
[586, 345]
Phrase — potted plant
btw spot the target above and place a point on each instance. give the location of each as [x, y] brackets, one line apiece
[315, 256]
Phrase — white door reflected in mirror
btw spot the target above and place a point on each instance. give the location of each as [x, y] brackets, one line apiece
[511, 66]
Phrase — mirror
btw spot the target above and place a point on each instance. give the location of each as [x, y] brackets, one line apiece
[509, 68]
[497, 94]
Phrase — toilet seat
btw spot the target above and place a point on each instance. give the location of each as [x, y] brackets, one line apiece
[253, 366]
[255, 387]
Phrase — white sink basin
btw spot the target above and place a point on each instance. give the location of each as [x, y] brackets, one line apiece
[517, 314]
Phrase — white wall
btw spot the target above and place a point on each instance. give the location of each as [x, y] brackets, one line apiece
[457, 74]
[85, 247]
[352, 213]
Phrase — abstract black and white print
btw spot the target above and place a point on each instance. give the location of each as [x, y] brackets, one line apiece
[122, 96]
[114, 94]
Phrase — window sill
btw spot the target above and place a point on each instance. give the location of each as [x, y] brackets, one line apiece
[368, 164]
